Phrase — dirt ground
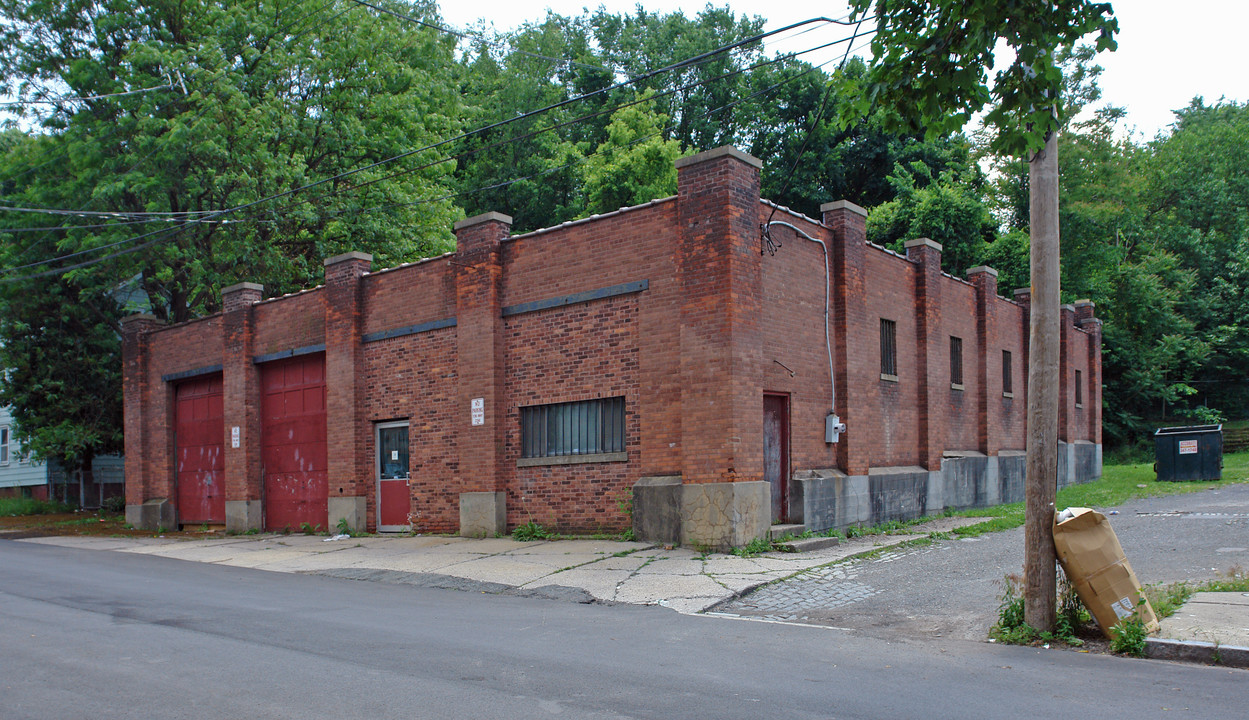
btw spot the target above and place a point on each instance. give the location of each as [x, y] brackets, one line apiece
[98, 523]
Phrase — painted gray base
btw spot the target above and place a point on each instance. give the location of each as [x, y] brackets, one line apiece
[657, 509]
[824, 499]
[154, 515]
[483, 514]
[664, 510]
[352, 509]
[243, 515]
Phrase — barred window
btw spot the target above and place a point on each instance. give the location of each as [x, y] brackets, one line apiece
[1079, 389]
[1007, 384]
[888, 348]
[956, 361]
[587, 427]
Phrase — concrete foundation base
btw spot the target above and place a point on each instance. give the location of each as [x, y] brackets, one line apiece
[657, 509]
[823, 499]
[154, 515]
[355, 510]
[725, 515]
[243, 515]
[713, 515]
[483, 514]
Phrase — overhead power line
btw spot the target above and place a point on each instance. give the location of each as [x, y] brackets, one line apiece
[167, 233]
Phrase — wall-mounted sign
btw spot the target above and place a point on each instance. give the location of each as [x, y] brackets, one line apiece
[477, 408]
[1188, 447]
[234, 436]
[394, 454]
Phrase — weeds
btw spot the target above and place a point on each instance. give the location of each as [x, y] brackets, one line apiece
[1011, 628]
[30, 506]
[1166, 599]
[753, 548]
[530, 530]
[1129, 637]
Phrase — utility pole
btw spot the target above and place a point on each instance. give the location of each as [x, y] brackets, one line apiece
[1043, 355]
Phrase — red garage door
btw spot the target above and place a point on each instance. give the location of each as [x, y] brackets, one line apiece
[293, 442]
[199, 434]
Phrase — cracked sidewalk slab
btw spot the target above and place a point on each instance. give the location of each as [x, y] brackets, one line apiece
[578, 570]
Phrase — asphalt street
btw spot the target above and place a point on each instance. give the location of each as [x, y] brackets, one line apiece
[119, 635]
[951, 588]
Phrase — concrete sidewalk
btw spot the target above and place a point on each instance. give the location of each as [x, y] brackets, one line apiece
[683, 579]
[1212, 627]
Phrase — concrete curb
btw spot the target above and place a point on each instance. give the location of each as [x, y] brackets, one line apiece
[1197, 651]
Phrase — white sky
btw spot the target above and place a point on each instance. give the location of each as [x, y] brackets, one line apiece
[1168, 52]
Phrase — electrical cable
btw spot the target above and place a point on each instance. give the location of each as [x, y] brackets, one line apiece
[169, 232]
[477, 38]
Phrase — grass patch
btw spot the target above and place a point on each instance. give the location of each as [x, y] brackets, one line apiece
[1119, 484]
[29, 506]
[1166, 599]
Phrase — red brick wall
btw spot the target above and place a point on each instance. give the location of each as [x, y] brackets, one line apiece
[579, 352]
[419, 293]
[624, 247]
[793, 336]
[291, 322]
[890, 294]
[413, 378]
[959, 427]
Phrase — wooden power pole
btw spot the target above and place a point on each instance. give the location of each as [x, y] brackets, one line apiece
[1043, 356]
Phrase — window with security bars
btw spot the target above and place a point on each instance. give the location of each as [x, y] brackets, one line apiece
[956, 361]
[888, 347]
[1007, 384]
[587, 427]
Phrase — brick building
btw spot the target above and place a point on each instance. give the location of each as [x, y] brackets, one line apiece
[653, 355]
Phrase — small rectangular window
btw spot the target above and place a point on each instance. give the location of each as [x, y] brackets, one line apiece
[1079, 389]
[587, 427]
[1007, 383]
[4, 446]
[956, 361]
[888, 348]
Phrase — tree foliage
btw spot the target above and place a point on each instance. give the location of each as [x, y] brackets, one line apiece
[932, 57]
[157, 117]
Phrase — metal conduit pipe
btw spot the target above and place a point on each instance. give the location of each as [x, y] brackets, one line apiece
[833, 426]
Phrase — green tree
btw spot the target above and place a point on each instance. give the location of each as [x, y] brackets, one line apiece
[635, 164]
[156, 117]
[946, 209]
[231, 103]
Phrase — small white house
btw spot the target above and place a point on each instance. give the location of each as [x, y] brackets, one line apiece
[19, 475]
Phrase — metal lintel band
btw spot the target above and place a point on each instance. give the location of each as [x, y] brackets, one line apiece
[599, 294]
[408, 330]
[283, 354]
[194, 372]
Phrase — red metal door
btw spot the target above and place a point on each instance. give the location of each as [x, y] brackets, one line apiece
[292, 443]
[776, 452]
[199, 440]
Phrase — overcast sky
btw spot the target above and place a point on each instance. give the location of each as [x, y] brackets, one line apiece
[1168, 52]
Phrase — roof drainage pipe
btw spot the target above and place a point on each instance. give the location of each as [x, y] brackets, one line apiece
[833, 426]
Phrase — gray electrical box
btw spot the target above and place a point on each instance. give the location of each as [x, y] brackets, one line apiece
[833, 428]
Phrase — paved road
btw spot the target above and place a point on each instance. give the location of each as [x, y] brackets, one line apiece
[121, 635]
[950, 588]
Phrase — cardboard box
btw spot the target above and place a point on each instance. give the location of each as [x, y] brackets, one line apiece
[1090, 554]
